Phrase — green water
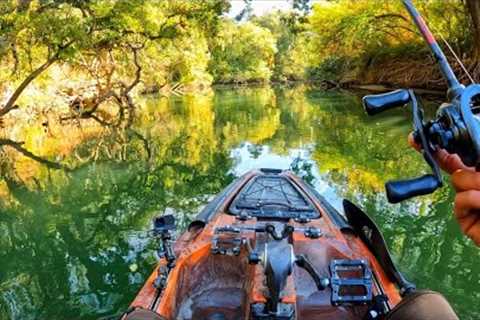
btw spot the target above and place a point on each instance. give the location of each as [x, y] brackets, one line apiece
[73, 244]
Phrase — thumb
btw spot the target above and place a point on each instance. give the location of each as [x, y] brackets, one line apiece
[411, 142]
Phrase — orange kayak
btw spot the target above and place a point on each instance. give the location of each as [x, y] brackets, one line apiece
[270, 247]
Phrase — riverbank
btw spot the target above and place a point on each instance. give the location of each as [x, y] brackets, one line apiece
[332, 84]
[422, 74]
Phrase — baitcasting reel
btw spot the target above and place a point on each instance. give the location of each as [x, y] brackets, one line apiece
[456, 127]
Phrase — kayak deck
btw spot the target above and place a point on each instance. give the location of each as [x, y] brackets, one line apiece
[242, 259]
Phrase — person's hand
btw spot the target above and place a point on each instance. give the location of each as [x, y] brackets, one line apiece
[466, 182]
[448, 162]
[467, 202]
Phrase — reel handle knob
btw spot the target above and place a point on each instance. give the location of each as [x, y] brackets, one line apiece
[400, 190]
[377, 103]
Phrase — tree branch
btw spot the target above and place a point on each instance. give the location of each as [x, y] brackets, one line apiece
[138, 72]
[10, 105]
[15, 58]
[397, 16]
[391, 15]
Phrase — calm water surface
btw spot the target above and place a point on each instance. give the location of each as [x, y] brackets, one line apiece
[73, 244]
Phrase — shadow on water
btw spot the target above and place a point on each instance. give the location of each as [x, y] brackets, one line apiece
[73, 243]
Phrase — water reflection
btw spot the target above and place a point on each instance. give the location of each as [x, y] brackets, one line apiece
[72, 242]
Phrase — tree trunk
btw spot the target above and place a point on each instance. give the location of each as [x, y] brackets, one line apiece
[473, 7]
[10, 105]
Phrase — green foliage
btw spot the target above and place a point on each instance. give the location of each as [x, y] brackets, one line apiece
[347, 28]
[184, 60]
[330, 69]
[364, 32]
[270, 47]
[93, 41]
[292, 56]
[192, 44]
[242, 52]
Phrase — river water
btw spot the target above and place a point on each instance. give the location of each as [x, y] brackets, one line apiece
[74, 243]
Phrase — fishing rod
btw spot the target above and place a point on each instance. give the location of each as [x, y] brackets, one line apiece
[453, 84]
[455, 127]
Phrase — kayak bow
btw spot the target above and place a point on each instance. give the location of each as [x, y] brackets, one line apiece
[270, 247]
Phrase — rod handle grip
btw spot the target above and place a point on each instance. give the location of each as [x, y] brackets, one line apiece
[400, 190]
[377, 103]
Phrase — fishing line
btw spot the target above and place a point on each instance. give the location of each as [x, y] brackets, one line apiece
[456, 57]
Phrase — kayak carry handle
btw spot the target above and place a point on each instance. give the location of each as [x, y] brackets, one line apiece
[377, 103]
[400, 190]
